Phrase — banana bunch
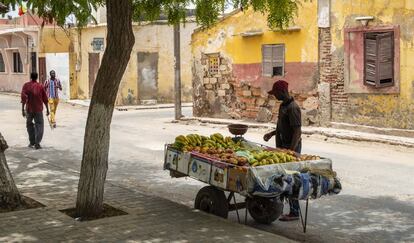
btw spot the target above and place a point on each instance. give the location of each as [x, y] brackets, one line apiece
[195, 142]
[270, 157]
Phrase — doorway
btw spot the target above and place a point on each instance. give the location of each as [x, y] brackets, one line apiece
[93, 70]
[147, 76]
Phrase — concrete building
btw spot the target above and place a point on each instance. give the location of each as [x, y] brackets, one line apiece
[345, 61]
[149, 76]
[237, 61]
[75, 54]
[26, 46]
[367, 62]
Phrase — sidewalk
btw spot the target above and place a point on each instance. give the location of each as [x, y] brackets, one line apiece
[130, 107]
[325, 131]
[149, 219]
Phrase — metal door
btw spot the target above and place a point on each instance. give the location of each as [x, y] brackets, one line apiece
[147, 75]
[93, 70]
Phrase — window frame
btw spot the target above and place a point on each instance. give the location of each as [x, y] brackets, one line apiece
[377, 83]
[216, 69]
[19, 63]
[274, 61]
[2, 62]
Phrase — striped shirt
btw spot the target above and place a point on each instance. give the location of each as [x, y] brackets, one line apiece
[51, 87]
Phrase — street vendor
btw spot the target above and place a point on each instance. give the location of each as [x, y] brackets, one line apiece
[288, 132]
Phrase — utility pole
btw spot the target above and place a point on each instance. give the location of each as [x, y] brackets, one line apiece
[177, 69]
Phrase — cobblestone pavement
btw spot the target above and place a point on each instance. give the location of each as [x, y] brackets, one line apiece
[149, 219]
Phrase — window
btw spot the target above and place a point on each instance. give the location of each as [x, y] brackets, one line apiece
[213, 63]
[2, 66]
[33, 61]
[273, 60]
[379, 59]
[17, 63]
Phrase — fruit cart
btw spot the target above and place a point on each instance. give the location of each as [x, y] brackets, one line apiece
[262, 185]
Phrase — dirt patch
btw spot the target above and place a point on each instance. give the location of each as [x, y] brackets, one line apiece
[28, 203]
[108, 211]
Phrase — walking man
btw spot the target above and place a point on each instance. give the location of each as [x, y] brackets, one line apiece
[288, 132]
[52, 86]
[33, 97]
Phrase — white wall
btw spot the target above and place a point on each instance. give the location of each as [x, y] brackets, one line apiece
[60, 63]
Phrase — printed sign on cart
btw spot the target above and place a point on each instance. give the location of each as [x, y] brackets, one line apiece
[178, 161]
[200, 170]
[183, 161]
[171, 159]
[237, 179]
[219, 175]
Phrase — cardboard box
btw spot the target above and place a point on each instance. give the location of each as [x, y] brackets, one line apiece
[219, 173]
[237, 181]
[200, 169]
[183, 162]
[171, 159]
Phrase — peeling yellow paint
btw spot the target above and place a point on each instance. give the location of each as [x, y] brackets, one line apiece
[300, 45]
[156, 38]
[373, 109]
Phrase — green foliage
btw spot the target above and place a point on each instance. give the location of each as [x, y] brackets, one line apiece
[279, 12]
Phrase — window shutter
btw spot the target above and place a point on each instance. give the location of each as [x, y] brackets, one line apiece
[267, 66]
[278, 52]
[278, 55]
[370, 60]
[385, 59]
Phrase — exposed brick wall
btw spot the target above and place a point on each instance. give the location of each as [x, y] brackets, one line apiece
[223, 95]
[331, 71]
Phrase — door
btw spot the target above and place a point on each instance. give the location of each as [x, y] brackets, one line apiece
[59, 62]
[42, 69]
[147, 75]
[93, 70]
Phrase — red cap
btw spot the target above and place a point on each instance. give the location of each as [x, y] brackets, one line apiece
[280, 85]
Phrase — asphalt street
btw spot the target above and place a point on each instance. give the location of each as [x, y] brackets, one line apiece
[376, 204]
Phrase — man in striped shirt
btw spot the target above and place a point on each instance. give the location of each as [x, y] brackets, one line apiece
[52, 86]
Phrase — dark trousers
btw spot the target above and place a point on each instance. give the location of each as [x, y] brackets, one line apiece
[294, 204]
[35, 130]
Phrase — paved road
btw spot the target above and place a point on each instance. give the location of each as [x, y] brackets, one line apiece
[377, 203]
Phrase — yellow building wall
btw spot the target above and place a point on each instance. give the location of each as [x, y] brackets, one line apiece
[55, 40]
[148, 38]
[225, 37]
[380, 109]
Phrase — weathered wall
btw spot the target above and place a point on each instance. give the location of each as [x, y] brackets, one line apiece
[157, 38]
[10, 81]
[355, 104]
[239, 90]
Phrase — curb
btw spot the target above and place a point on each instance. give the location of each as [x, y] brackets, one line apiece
[336, 133]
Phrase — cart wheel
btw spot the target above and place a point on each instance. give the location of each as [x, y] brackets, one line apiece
[212, 200]
[264, 210]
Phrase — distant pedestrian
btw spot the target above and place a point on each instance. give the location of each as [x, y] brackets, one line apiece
[33, 97]
[52, 86]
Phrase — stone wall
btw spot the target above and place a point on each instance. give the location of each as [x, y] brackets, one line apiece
[222, 95]
[333, 99]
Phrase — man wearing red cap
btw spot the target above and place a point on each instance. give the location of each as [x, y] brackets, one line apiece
[288, 132]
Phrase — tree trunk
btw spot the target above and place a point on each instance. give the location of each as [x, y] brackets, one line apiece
[9, 195]
[120, 40]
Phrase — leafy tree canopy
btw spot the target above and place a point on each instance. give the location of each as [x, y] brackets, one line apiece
[279, 12]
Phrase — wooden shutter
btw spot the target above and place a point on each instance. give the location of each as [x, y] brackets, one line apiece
[278, 57]
[379, 59]
[370, 59]
[267, 62]
[385, 59]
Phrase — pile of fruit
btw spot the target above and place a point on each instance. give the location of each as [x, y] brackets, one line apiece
[195, 142]
[270, 157]
[225, 149]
